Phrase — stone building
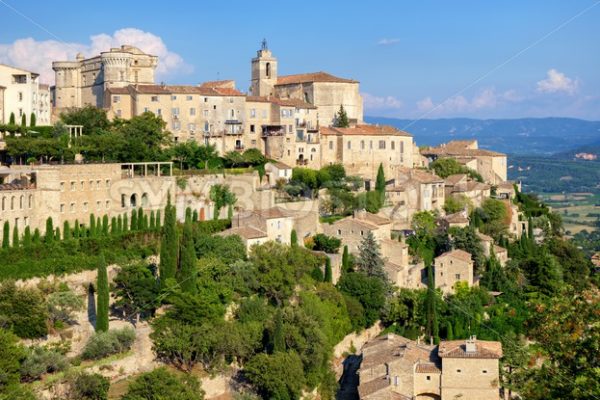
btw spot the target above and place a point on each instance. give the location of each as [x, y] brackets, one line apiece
[460, 185]
[83, 81]
[452, 267]
[489, 164]
[21, 93]
[31, 194]
[394, 367]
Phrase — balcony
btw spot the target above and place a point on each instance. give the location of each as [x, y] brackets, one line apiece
[273, 130]
[301, 161]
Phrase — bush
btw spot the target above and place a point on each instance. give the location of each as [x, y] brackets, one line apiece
[41, 360]
[89, 387]
[23, 311]
[162, 384]
[62, 304]
[104, 344]
[325, 243]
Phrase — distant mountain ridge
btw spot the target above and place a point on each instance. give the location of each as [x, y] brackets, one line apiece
[531, 136]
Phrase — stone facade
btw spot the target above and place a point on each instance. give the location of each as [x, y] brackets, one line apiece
[83, 81]
[21, 93]
[394, 367]
[452, 267]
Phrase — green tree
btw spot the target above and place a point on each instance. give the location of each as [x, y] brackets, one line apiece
[11, 355]
[76, 230]
[341, 118]
[125, 223]
[134, 221]
[369, 291]
[105, 225]
[6, 235]
[328, 273]
[66, 231]
[187, 263]
[93, 119]
[380, 183]
[328, 244]
[27, 237]
[140, 219]
[169, 245]
[92, 227]
[294, 238]
[369, 258]
[276, 376]
[152, 220]
[24, 310]
[136, 291]
[102, 297]
[49, 234]
[86, 386]
[15, 238]
[161, 384]
[195, 215]
[23, 121]
[114, 228]
[278, 333]
[345, 260]
[221, 196]
[432, 326]
[37, 236]
[11, 119]
[32, 120]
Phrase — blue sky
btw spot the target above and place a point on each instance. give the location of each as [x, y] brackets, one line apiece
[413, 59]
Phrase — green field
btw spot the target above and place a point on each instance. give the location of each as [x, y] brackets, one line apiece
[579, 210]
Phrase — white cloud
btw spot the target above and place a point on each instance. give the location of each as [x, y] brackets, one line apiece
[387, 41]
[37, 56]
[486, 99]
[557, 82]
[372, 102]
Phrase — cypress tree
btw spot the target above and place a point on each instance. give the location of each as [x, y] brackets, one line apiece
[49, 234]
[380, 185]
[57, 236]
[37, 236]
[168, 245]
[294, 239]
[27, 237]
[195, 215]
[152, 220]
[125, 224]
[449, 332]
[66, 231]
[134, 220]
[11, 119]
[119, 224]
[345, 260]
[92, 227]
[230, 212]
[140, 219]
[98, 226]
[188, 214]
[328, 272]
[145, 222]
[278, 334]
[76, 231]
[431, 306]
[15, 239]
[105, 225]
[158, 220]
[32, 120]
[102, 296]
[23, 121]
[113, 226]
[187, 263]
[6, 235]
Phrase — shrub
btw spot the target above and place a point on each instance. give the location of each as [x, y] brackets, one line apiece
[62, 304]
[162, 384]
[103, 344]
[41, 360]
[325, 243]
[89, 387]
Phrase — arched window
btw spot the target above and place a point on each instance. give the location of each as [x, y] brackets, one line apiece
[268, 72]
[123, 200]
[3, 203]
[30, 201]
[145, 200]
[22, 202]
[12, 203]
[133, 200]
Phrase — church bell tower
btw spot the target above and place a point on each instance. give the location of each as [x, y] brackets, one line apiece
[264, 72]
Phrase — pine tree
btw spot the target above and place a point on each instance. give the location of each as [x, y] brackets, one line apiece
[345, 260]
[15, 238]
[105, 225]
[341, 118]
[152, 220]
[76, 231]
[6, 235]
[37, 236]
[278, 334]
[294, 239]
[328, 273]
[92, 227]
[32, 120]
[11, 119]
[168, 245]
[369, 257]
[27, 237]
[66, 231]
[187, 260]
[49, 234]
[195, 215]
[23, 121]
[134, 221]
[102, 296]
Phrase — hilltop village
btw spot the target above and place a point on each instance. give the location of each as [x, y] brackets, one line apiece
[288, 163]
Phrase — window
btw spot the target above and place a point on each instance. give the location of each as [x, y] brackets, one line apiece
[252, 129]
[108, 183]
[123, 201]
[62, 186]
[173, 97]
[214, 107]
[192, 111]
[85, 206]
[20, 96]
[98, 204]
[206, 126]
[362, 233]
[146, 109]
[154, 99]
[176, 125]
[401, 147]
[330, 145]
[98, 184]
[382, 145]
[116, 99]
[459, 371]
[205, 112]
[268, 70]
[175, 111]
[393, 144]
[362, 144]
[232, 113]
[206, 99]
[62, 208]
[159, 112]
[428, 378]
[252, 112]
[484, 371]
[339, 232]
[73, 185]
[72, 207]
[188, 98]
[457, 276]
[118, 113]
[349, 145]
[192, 128]
[82, 184]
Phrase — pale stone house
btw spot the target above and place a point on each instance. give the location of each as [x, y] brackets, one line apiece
[250, 236]
[461, 185]
[456, 220]
[394, 367]
[452, 267]
[352, 230]
[276, 171]
[500, 253]
[490, 164]
[21, 93]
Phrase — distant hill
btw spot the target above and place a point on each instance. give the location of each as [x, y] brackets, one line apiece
[591, 149]
[532, 136]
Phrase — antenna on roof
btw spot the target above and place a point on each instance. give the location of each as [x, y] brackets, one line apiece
[263, 45]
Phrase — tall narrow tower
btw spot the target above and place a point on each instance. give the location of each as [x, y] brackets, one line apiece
[264, 72]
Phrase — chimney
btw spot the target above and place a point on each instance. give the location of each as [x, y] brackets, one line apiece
[470, 346]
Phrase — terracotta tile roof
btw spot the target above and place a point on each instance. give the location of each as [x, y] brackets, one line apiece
[245, 232]
[258, 99]
[485, 237]
[500, 250]
[311, 77]
[456, 218]
[279, 165]
[44, 86]
[427, 368]
[474, 185]
[217, 84]
[444, 150]
[118, 90]
[375, 219]
[373, 386]
[425, 176]
[186, 89]
[274, 212]
[457, 349]
[454, 179]
[458, 254]
[297, 103]
[369, 130]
